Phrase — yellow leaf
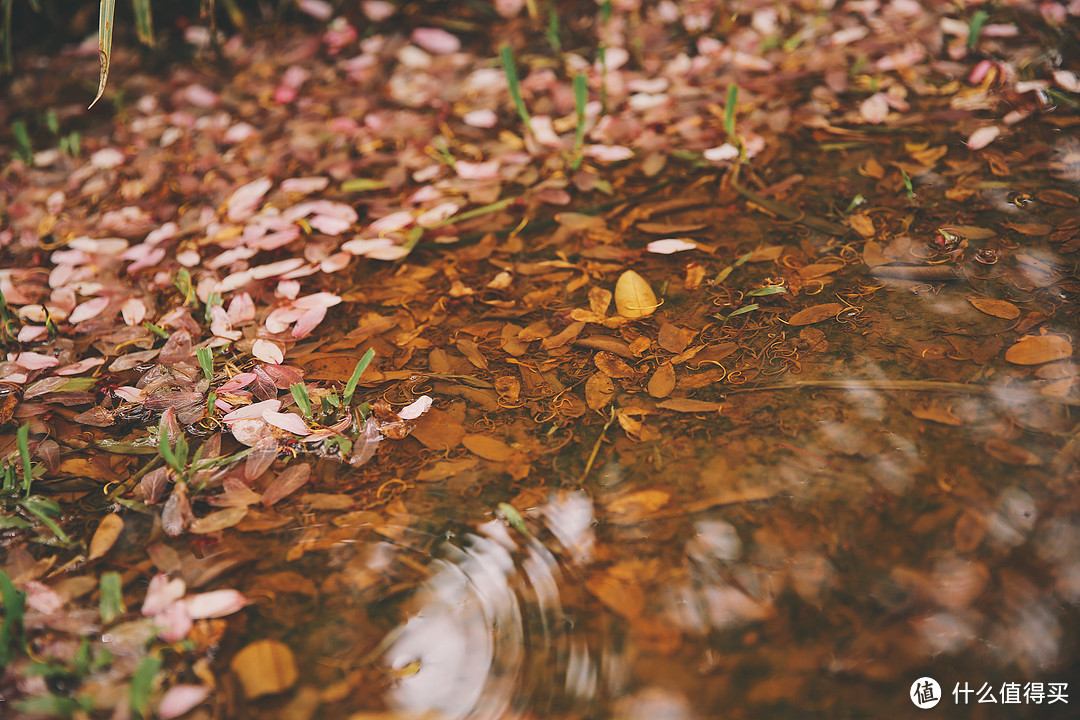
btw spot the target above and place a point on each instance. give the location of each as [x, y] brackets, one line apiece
[219, 520]
[105, 536]
[998, 308]
[1038, 349]
[265, 667]
[633, 296]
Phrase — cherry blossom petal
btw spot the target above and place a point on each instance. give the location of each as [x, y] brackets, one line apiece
[275, 269]
[438, 214]
[480, 119]
[436, 40]
[608, 153]
[376, 248]
[874, 109]
[107, 158]
[305, 185]
[318, 9]
[255, 410]
[80, 367]
[32, 333]
[290, 422]
[308, 322]
[337, 261]
[174, 623]
[669, 246]
[131, 394]
[721, 153]
[394, 221]
[983, 137]
[215, 604]
[89, 309]
[378, 10]
[162, 592]
[477, 171]
[241, 309]
[238, 381]
[35, 361]
[246, 199]
[220, 325]
[250, 431]
[180, 699]
[416, 408]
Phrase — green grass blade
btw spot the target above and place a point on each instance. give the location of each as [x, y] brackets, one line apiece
[978, 19]
[581, 99]
[144, 22]
[35, 510]
[553, 30]
[23, 149]
[11, 631]
[729, 112]
[206, 362]
[111, 604]
[512, 80]
[142, 684]
[23, 441]
[105, 33]
[303, 400]
[361, 366]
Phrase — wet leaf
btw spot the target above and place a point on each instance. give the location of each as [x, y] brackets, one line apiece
[1038, 349]
[1010, 454]
[613, 366]
[599, 390]
[622, 595]
[637, 505]
[815, 314]
[633, 296]
[862, 224]
[108, 530]
[488, 447]
[936, 414]
[290, 479]
[265, 667]
[218, 521]
[688, 405]
[998, 308]
[662, 381]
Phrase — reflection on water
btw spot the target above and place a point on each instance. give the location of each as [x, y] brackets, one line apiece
[885, 553]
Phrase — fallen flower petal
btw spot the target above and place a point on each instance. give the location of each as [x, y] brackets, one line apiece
[180, 699]
[415, 409]
[268, 352]
[671, 245]
[436, 40]
[246, 199]
[394, 221]
[481, 118]
[983, 137]
[215, 604]
[35, 361]
[290, 422]
[80, 367]
[255, 410]
[174, 623]
[721, 153]
[608, 153]
[89, 309]
[161, 593]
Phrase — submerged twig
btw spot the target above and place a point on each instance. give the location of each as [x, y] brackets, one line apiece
[596, 447]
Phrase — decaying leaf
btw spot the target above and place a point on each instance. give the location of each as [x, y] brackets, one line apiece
[815, 313]
[1038, 349]
[613, 366]
[689, 405]
[265, 667]
[998, 308]
[217, 521]
[936, 414]
[633, 296]
[1010, 453]
[599, 390]
[108, 530]
[662, 381]
[488, 447]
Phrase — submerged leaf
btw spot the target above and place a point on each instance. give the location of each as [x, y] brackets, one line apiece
[633, 296]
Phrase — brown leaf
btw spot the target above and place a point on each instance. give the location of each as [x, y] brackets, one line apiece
[488, 447]
[599, 300]
[862, 224]
[1031, 229]
[1010, 454]
[765, 254]
[108, 530]
[1038, 349]
[874, 254]
[290, 479]
[599, 390]
[613, 366]
[217, 521]
[672, 338]
[816, 313]
[621, 595]
[660, 228]
[472, 353]
[663, 381]
[265, 667]
[688, 405]
[998, 308]
[819, 269]
[634, 297]
[637, 505]
[936, 414]
[1057, 197]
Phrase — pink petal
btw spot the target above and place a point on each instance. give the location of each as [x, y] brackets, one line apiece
[280, 319]
[42, 598]
[436, 40]
[337, 261]
[289, 480]
[250, 431]
[875, 108]
[481, 119]
[107, 158]
[247, 198]
[318, 9]
[80, 367]
[220, 325]
[130, 394]
[329, 225]
[255, 410]
[179, 699]
[438, 214]
[308, 322]
[378, 10]
[174, 622]
[238, 381]
[35, 361]
[671, 245]
[89, 309]
[415, 409]
[241, 309]
[983, 137]
[161, 593]
[218, 603]
[477, 171]
[305, 185]
[394, 221]
[275, 269]
[376, 248]
[290, 422]
[721, 153]
[608, 153]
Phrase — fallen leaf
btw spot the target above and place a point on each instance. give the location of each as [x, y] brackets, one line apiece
[998, 308]
[612, 366]
[936, 414]
[217, 521]
[108, 530]
[815, 313]
[599, 390]
[663, 381]
[1038, 349]
[637, 505]
[633, 296]
[265, 667]
[488, 447]
[688, 405]
[862, 224]
[1010, 454]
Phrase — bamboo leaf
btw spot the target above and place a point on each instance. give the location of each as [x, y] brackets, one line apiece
[361, 366]
[144, 22]
[105, 33]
